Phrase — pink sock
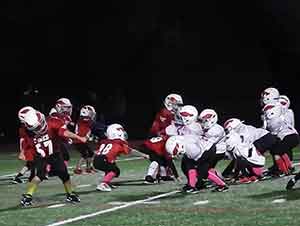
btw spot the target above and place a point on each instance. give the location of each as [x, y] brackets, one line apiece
[214, 178]
[192, 177]
[108, 177]
[48, 168]
[287, 161]
[257, 170]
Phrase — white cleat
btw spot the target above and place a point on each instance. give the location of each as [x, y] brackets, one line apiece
[103, 187]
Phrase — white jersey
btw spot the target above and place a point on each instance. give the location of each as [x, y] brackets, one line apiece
[289, 117]
[279, 127]
[214, 134]
[249, 134]
[195, 146]
[240, 148]
[176, 129]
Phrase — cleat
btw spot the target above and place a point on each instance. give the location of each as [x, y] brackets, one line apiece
[149, 180]
[112, 186]
[26, 200]
[188, 189]
[103, 187]
[17, 180]
[72, 197]
[223, 188]
[291, 184]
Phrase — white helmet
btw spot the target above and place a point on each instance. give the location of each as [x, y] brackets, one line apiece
[189, 114]
[208, 118]
[272, 111]
[116, 131]
[175, 145]
[232, 124]
[88, 111]
[284, 101]
[269, 95]
[23, 111]
[33, 120]
[64, 106]
[173, 101]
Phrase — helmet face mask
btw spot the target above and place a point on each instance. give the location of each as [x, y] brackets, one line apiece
[64, 106]
[232, 124]
[33, 120]
[88, 111]
[208, 118]
[116, 131]
[173, 102]
[269, 95]
[188, 114]
[272, 111]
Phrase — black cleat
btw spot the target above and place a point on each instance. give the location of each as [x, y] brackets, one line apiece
[188, 189]
[17, 180]
[26, 200]
[291, 184]
[72, 197]
[221, 189]
[149, 180]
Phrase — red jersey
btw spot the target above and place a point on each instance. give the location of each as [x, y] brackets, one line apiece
[83, 128]
[26, 144]
[49, 142]
[112, 149]
[162, 119]
[157, 145]
[66, 118]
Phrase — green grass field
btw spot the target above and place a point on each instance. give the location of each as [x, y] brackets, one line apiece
[246, 204]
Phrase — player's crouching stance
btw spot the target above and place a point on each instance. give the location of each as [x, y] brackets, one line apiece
[197, 155]
[44, 136]
[249, 161]
[107, 152]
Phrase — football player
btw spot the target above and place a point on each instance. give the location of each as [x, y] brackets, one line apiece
[165, 116]
[208, 119]
[261, 138]
[63, 110]
[44, 135]
[287, 136]
[83, 127]
[249, 161]
[288, 115]
[195, 164]
[107, 152]
[27, 150]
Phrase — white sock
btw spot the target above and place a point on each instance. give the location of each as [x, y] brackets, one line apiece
[153, 169]
[163, 171]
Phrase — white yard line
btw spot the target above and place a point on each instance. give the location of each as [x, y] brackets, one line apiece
[7, 175]
[56, 205]
[279, 201]
[82, 217]
[83, 185]
[203, 202]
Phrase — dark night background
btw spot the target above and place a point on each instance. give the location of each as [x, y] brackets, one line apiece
[216, 54]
